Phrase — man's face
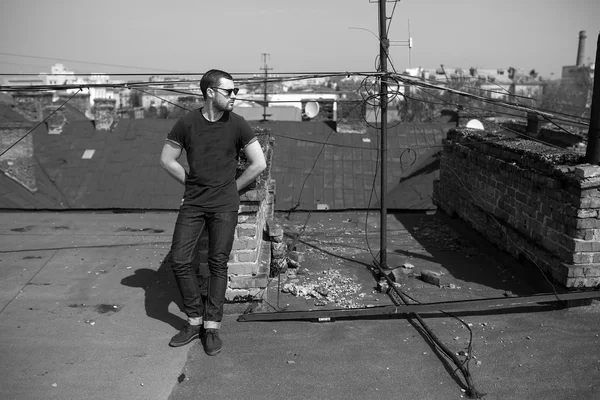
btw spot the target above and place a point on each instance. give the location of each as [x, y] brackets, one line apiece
[222, 100]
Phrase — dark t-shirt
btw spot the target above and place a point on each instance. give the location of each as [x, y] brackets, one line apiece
[212, 150]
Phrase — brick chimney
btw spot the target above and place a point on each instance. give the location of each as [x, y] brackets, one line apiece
[581, 48]
[105, 115]
[351, 117]
[56, 119]
[32, 104]
[18, 163]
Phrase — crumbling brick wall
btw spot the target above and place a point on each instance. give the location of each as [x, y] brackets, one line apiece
[105, 114]
[18, 162]
[351, 116]
[536, 202]
[249, 262]
[32, 104]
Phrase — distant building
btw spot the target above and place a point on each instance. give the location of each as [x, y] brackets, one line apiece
[577, 79]
[24, 81]
[59, 75]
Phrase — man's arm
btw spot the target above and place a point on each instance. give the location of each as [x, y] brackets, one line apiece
[168, 160]
[255, 156]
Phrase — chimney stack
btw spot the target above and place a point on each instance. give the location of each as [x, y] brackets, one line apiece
[581, 48]
[55, 119]
[104, 114]
[18, 162]
[351, 117]
[32, 104]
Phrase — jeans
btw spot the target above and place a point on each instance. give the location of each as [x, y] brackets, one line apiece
[202, 289]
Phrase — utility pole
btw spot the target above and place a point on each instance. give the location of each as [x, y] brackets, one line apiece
[266, 69]
[592, 153]
[384, 46]
[409, 45]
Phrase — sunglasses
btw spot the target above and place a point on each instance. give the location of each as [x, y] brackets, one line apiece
[228, 91]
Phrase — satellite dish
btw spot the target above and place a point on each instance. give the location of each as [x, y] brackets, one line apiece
[475, 124]
[311, 109]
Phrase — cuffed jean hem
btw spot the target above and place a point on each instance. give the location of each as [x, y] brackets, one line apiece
[212, 325]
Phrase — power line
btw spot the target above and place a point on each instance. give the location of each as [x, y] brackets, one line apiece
[80, 62]
[306, 74]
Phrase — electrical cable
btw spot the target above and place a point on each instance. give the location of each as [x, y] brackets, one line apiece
[78, 62]
[470, 391]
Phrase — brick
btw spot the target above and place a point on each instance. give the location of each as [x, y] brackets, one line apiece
[254, 195]
[246, 256]
[585, 234]
[583, 271]
[584, 223]
[247, 282]
[582, 282]
[236, 294]
[242, 268]
[246, 230]
[247, 219]
[577, 245]
[435, 278]
[244, 244]
[296, 256]
[248, 208]
[586, 213]
[583, 258]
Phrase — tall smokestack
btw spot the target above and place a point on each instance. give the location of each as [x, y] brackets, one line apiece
[581, 48]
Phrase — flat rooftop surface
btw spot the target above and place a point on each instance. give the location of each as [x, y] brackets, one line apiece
[88, 305]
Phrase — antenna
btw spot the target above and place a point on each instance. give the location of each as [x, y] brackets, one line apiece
[408, 43]
[475, 124]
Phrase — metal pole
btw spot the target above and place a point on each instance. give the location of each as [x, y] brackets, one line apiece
[384, 46]
[266, 69]
[592, 154]
[409, 45]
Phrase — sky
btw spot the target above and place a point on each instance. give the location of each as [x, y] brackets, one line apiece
[304, 36]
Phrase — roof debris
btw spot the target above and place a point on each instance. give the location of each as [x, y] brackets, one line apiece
[330, 287]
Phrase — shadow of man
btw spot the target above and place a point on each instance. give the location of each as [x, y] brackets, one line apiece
[161, 289]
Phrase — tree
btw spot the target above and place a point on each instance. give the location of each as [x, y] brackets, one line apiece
[533, 74]
[571, 95]
[135, 98]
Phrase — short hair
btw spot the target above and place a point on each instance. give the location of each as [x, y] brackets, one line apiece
[212, 78]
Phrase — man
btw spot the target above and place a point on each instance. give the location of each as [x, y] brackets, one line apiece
[212, 138]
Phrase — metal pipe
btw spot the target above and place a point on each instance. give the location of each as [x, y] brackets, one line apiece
[383, 55]
[477, 306]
